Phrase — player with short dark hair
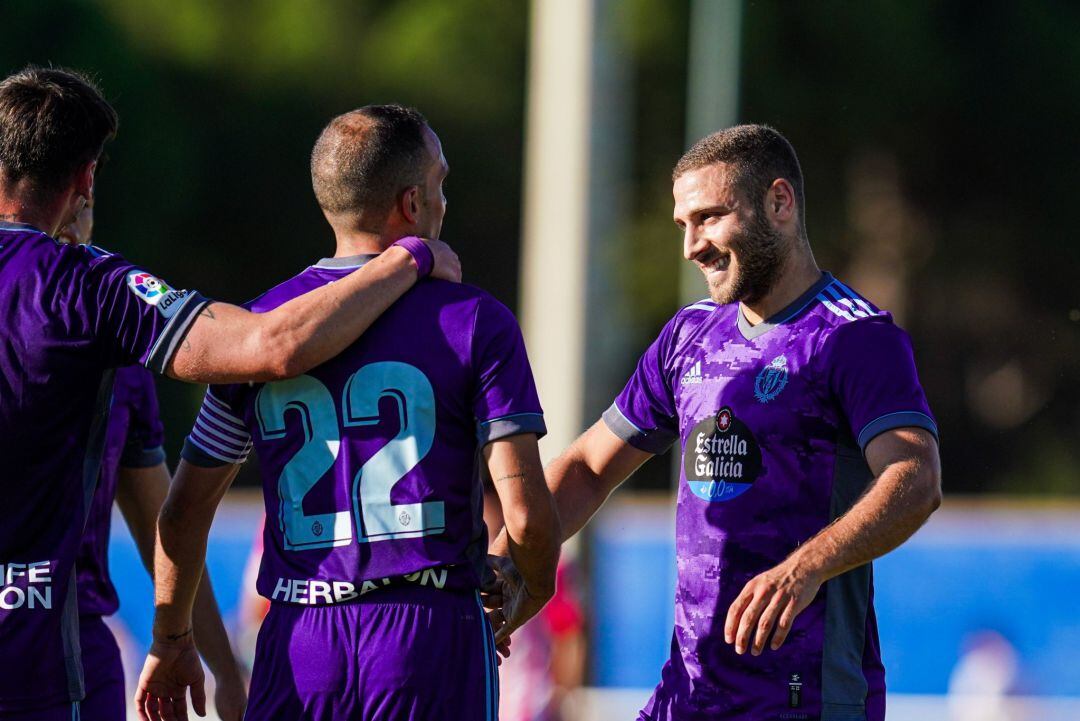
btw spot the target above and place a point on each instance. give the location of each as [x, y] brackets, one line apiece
[808, 450]
[134, 476]
[73, 313]
[374, 547]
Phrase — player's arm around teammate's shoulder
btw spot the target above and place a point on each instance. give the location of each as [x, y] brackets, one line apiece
[172, 664]
[227, 344]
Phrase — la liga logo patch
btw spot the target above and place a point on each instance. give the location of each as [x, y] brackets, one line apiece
[147, 287]
[154, 291]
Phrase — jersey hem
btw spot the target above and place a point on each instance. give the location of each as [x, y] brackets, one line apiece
[655, 441]
[892, 421]
[512, 425]
[174, 331]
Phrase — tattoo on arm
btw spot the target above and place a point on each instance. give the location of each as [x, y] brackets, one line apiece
[178, 636]
[510, 476]
[207, 313]
[7, 216]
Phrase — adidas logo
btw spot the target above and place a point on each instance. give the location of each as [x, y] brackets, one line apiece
[692, 376]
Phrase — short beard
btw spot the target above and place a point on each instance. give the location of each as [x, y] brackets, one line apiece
[760, 254]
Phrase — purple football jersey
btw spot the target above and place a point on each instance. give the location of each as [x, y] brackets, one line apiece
[773, 420]
[370, 461]
[133, 439]
[72, 313]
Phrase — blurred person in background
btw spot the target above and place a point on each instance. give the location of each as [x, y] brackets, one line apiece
[74, 313]
[374, 546]
[134, 474]
[808, 450]
[548, 659]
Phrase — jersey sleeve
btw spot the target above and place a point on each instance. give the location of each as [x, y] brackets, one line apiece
[140, 318]
[871, 371]
[644, 413]
[219, 436]
[505, 401]
[143, 447]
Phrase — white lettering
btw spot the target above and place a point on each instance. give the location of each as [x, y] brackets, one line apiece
[299, 591]
[367, 587]
[344, 591]
[40, 572]
[13, 570]
[320, 589]
[436, 575]
[283, 586]
[12, 592]
[36, 597]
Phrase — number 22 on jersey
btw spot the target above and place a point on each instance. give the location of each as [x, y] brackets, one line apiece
[376, 518]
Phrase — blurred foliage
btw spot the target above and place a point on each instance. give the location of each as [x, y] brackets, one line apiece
[937, 141]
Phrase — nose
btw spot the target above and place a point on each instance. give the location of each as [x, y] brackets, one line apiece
[693, 243]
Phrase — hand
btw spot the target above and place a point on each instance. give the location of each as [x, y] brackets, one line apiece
[780, 593]
[491, 595]
[78, 231]
[230, 698]
[518, 603]
[447, 263]
[168, 672]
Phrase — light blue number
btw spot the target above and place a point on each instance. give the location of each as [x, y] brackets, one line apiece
[377, 517]
[318, 420]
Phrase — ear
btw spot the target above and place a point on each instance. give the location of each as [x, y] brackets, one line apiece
[410, 205]
[780, 201]
[84, 180]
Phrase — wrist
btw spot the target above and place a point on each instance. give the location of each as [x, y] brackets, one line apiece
[173, 635]
[421, 253]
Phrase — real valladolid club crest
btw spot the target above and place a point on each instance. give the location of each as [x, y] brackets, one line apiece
[771, 380]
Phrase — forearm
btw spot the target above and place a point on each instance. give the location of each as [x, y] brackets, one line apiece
[896, 505]
[227, 344]
[577, 489]
[179, 557]
[210, 634]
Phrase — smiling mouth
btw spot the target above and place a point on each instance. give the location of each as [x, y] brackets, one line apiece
[714, 262]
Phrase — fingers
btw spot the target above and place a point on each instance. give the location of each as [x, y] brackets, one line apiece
[198, 699]
[765, 624]
[140, 701]
[749, 618]
[735, 612]
[784, 626]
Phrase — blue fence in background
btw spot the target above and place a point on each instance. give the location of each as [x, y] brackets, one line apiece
[972, 569]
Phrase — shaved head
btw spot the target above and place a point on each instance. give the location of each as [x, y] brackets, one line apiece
[365, 158]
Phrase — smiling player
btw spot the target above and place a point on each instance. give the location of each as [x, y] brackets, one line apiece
[808, 450]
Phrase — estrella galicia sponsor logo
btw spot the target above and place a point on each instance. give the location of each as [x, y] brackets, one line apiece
[771, 380]
[154, 291]
[692, 376]
[721, 458]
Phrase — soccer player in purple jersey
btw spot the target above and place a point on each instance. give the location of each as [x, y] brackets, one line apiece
[807, 450]
[374, 547]
[134, 474]
[72, 313]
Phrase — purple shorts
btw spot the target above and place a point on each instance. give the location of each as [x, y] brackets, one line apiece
[106, 699]
[406, 653]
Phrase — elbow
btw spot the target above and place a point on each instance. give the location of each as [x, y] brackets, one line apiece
[281, 357]
[932, 496]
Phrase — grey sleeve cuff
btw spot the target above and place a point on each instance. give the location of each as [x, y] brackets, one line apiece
[174, 331]
[198, 457]
[891, 421]
[138, 457]
[655, 441]
[496, 428]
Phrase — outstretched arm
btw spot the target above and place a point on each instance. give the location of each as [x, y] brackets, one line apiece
[172, 664]
[227, 344]
[906, 490]
[140, 494]
[584, 476]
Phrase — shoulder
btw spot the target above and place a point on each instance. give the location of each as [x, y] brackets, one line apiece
[851, 323]
[306, 280]
[695, 318]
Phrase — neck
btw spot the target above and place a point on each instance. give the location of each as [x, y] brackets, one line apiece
[360, 243]
[800, 271]
[15, 208]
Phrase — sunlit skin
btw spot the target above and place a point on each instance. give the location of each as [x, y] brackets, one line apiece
[726, 239]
